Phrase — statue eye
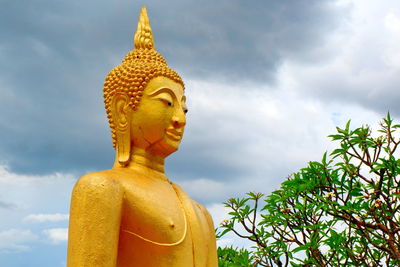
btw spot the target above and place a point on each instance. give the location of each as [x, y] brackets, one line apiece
[185, 110]
[169, 103]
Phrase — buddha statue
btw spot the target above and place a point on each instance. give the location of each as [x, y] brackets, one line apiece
[132, 214]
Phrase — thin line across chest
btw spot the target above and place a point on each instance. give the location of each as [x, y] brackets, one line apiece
[155, 214]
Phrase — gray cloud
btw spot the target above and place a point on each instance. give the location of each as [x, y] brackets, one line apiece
[55, 55]
[361, 63]
[267, 81]
[7, 205]
[238, 40]
[381, 95]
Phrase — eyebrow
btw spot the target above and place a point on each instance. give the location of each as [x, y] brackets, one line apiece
[162, 89]
[165, 89]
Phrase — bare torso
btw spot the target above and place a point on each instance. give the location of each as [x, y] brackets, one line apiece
[159, 218]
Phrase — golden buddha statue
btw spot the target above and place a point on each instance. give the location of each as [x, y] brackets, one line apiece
[132, 215]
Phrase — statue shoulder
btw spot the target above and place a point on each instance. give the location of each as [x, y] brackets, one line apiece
[207, 216]
[99, 182]
[195, 204]
[202, 209]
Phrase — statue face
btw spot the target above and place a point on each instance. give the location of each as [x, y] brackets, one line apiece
[158, 124]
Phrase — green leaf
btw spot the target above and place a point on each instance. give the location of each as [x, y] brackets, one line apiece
[348, 125]
[300, 248]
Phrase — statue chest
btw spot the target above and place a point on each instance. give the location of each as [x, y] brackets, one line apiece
[161, 226]
[154, 213]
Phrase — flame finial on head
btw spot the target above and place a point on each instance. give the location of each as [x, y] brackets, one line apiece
[144, 36]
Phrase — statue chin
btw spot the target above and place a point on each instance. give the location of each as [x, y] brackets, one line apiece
[164, 149]
[160, 149]
[132, 214]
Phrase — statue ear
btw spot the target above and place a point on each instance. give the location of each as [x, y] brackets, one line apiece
[121, 116]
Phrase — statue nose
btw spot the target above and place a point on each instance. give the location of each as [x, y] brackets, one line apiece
[179, 120]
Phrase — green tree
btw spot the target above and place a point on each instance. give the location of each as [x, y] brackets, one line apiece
[341, 211]
[234, 257]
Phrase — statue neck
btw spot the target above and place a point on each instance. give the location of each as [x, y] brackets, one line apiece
[143, 158]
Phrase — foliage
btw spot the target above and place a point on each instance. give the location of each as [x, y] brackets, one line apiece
[234, 257]
[341, 211]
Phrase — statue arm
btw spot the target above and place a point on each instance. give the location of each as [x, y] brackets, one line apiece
[212, 260]
[95, 217]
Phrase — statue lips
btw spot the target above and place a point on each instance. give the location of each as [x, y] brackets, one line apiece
[173, 134]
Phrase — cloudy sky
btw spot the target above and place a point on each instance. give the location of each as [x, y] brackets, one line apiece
[266, 82]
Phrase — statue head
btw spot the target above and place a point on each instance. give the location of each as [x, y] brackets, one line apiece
[144, 100]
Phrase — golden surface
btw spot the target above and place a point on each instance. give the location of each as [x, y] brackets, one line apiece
[132, 215]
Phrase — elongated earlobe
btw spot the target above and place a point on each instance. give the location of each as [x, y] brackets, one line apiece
[123, 147]
[121, 115]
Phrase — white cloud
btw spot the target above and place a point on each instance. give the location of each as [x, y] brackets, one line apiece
[9, 178]
[218, 212]
[360, 64]
[392, 22]
[16, 240]
[204, 188]
[392, 40]
[35, 198]
[262, 133]
[252, 123]
[57, 235]
[225, 242]
[40, 218]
